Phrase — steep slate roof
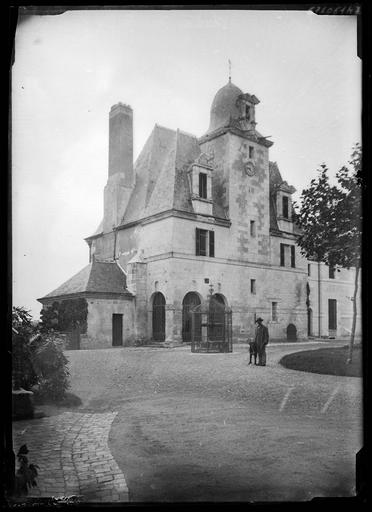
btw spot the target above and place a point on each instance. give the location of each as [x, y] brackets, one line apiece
[162, 181]
[275, 180]
[274, 175]
[97, 277]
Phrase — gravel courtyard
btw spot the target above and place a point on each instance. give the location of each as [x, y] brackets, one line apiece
[207, 427]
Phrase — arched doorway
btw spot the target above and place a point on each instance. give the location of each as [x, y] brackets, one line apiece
[291, 332]
[158, 317]
[217, 316]
[190, 300]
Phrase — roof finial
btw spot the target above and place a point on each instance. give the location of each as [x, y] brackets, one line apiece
[229, 71]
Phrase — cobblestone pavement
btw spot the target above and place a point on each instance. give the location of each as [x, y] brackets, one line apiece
[72, 453]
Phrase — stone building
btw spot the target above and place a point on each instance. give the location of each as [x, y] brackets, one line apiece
[195, 217]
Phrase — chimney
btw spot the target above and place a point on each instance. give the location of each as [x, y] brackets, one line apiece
[120, 170]
[121, 142]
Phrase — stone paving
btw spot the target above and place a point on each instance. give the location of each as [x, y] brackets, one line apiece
[73, 456]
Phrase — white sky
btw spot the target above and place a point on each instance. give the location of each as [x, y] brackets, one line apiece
[69, 69]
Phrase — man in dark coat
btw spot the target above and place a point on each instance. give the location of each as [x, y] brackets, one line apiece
[261, 339]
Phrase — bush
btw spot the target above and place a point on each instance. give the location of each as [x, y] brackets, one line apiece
[23, 372]
[65, 315]
[37, 358]
[51, 367]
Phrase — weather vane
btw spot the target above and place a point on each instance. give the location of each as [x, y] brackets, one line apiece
[229, 70]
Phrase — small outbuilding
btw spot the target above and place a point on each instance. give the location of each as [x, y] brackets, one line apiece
[94, 309]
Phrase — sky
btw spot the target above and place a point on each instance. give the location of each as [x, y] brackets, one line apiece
[71, 68]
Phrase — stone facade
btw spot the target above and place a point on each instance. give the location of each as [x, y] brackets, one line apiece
[209, 216]
[99, 332]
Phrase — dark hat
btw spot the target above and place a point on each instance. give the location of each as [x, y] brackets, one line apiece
[259, 319]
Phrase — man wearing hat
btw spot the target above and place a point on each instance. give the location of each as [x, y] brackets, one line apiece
[261, 339]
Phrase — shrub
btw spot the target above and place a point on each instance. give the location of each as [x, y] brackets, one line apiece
[51, 367]
[65, 315]
[37, 358]
[23, 372]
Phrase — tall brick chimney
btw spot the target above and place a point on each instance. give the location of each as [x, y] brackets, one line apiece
[120, 170]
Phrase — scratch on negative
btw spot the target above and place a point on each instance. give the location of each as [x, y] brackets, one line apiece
[333, 394]
[284, 401]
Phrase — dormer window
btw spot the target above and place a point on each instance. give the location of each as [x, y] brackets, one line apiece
[248, 112]
[200, 180]
[285, 210]
[203, 185]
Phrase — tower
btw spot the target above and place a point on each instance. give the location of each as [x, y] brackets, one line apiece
[241, 175]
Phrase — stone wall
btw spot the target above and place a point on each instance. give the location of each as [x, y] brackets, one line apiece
[340, 288]
[99, 332]
[176, 276]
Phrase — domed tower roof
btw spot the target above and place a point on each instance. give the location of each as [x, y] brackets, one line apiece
[224, 106]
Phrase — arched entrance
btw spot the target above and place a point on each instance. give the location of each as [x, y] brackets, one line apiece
[190, 300]
[291, 332]
[217, 316]
[158, 317]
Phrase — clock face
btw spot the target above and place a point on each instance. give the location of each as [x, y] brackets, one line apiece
[249, 169]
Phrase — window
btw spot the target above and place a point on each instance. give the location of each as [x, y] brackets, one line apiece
[331, 272]
[332, 314]
[285, 207]
[248, 112]
[282, 255]
[253, 286]
[274, 311]
[286, 252]
[309, 269]
[293, 256]
[251, 152]
[211, 244]
[253, 228]
[204, 243]
[203, 185]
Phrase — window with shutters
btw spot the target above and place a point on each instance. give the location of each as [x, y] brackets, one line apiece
[293, 256]
[204, 243]
[203, 185]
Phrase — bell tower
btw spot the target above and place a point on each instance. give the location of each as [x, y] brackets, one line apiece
[241, 171]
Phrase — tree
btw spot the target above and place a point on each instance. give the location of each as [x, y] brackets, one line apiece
[330, 220]
[23, 371]
[22, 321]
